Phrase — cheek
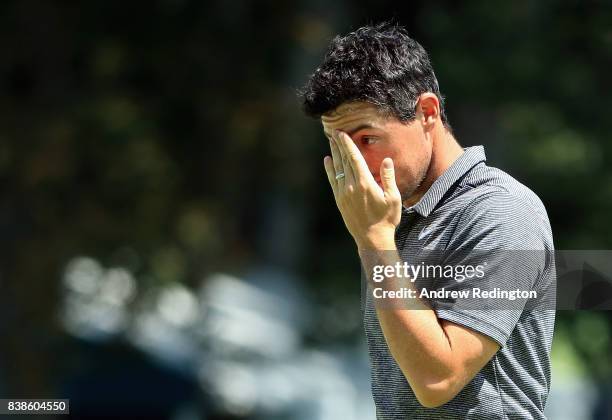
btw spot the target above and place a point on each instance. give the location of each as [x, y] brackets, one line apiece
[373, 159]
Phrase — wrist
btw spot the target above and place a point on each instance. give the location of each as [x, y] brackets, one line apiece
[382, 240]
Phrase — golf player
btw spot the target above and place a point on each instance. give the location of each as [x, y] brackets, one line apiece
[404, 186]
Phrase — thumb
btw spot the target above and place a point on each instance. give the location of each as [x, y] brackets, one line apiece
[387, 176]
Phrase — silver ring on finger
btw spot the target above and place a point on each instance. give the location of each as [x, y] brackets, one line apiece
[340, 175]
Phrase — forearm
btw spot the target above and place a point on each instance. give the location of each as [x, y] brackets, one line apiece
[413, 333]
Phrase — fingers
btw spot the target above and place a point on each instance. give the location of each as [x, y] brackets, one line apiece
[354, 159]
[346, 165]
[337, 161]
[340, 143]
[387, 177]
[331, 174]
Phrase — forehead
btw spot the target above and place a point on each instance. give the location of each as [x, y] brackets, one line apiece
[351, 115]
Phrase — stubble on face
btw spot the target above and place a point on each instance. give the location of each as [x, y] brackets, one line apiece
[409, 193]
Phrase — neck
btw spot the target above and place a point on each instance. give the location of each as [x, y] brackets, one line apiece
[445, 152]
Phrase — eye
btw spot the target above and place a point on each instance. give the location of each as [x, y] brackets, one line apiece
[368, 140]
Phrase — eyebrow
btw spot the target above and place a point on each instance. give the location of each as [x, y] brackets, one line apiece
[356, 129]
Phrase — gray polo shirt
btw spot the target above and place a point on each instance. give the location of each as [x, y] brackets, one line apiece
[473, 206]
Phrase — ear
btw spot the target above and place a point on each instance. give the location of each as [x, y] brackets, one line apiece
[428, 110]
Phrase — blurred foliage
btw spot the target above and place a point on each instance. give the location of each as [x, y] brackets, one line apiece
[165, 137]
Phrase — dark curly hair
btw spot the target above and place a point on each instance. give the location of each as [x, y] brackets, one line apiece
[378, 64]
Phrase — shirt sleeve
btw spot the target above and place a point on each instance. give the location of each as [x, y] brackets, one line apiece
[506, 243]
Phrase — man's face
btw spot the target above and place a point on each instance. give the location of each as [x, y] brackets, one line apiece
[378, 137]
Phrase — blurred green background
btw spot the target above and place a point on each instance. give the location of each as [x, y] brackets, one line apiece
[170, 246]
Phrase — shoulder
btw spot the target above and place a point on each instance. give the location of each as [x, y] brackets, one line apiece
[499, 211]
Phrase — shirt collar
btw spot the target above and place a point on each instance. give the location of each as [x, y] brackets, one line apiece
[468, 159]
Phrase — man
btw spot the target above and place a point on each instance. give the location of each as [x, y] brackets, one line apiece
[403, 186]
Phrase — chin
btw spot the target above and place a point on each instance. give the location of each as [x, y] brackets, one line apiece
[407, 193]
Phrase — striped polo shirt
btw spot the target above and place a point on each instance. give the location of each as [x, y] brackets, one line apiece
[472, 206]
